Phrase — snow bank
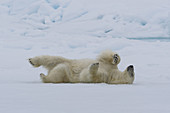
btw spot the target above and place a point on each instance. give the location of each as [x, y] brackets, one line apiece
[95, 18]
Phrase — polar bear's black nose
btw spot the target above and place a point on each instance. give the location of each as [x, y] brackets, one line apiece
[130, 67]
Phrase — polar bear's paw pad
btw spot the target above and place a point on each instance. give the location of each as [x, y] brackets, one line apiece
[116, 58]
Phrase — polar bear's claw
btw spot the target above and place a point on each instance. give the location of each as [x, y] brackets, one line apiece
[42, 75]
[94, 66]
[115, 58]
[43, 78]
[31, 62]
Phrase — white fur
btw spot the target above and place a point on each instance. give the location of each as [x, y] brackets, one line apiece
[102, 70]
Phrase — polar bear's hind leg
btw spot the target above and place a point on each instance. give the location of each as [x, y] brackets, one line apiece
[46, 61]
[43, 78]
[58, 74]
[31, 61]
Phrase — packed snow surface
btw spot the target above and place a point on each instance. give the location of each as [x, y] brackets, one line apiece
[138, 30]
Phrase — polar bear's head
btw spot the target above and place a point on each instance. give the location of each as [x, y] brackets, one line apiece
[109, 56]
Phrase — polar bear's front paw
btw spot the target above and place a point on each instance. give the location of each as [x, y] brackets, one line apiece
[130, 70]
[94, 67]
[32, 61]
[116, 59]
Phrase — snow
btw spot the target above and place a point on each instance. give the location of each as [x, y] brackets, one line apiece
[139, 30]
[107, 17]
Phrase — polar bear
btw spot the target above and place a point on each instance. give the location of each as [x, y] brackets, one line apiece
[102, 70]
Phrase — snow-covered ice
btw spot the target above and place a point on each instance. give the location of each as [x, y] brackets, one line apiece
[139, 30]
[98, 18]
